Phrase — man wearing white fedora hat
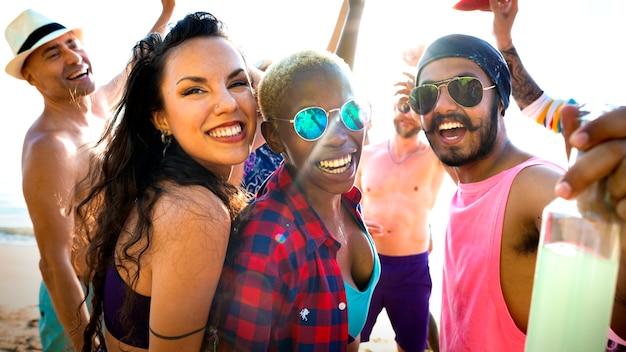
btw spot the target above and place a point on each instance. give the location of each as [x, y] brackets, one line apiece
[51, 57]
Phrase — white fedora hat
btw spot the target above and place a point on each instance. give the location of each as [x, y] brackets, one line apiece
[27, 32]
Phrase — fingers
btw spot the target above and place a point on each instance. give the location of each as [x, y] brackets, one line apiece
[410, 77]
[402, 90]
[616, 186]
[603, 141]
[611, 125]
[605, 160]
[412, 55]
[620, 209]
[405, 87]
[569, 120]
[569, 123]
[503, 6]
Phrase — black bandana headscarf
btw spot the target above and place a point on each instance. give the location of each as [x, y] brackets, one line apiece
[477, 50]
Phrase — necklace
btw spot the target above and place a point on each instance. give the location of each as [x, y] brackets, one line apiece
[398, 162]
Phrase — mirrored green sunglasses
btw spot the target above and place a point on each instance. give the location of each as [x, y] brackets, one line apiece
[310, 123]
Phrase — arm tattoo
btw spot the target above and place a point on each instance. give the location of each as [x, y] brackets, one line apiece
[525, 89]
[164, 337]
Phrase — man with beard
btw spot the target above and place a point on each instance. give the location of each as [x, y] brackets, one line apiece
[463, 89]
[400, 179]
[51, 57]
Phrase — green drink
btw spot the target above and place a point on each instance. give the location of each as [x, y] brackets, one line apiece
[573, 291]
[576, 271]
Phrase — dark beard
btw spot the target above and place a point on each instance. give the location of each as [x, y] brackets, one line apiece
[404, 133]
[453, 157]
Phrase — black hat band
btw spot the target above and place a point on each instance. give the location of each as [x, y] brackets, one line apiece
[39, 33]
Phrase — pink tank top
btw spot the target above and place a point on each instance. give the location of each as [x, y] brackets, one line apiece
[474, 315]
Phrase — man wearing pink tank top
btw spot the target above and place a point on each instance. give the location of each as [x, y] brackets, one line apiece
[463, 88]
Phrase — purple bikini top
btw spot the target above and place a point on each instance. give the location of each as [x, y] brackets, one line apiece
[136, 331]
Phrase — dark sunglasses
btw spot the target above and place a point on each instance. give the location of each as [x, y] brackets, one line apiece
[403, 106]
[311, 123]
[466, 91]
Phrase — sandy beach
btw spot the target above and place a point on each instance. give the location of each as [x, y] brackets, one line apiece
[19, 290]
[19, 316]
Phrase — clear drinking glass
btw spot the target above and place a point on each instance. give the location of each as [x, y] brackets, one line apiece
[576, 271]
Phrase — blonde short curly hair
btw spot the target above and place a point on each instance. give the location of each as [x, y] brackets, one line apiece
[275, 84]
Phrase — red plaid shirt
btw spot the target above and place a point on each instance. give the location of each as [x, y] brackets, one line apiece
[289, 293]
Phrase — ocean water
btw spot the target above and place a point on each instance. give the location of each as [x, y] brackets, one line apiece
[15, 224]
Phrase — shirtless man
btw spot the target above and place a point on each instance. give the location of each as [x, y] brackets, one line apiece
[400, 179]
[51, 58]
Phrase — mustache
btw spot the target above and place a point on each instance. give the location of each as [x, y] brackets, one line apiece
[439, 118]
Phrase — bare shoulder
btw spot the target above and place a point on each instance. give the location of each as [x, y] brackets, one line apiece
[532, 190]
[374, 147]
[538, 177]
[61, 134]
[41, 136]
[191, 201]
[49, 150]
[373, 151]
[191, 212]
[190, 232]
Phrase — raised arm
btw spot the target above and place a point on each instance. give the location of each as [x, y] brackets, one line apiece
[351, 11]
[530, 98]
[525, 89]
[341, 21]
[112, 91]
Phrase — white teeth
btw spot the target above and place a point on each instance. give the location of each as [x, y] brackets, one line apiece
[226, 131]
[450, 125]
[78, 74]
[336, 166]
[336, 162]
[336, 171]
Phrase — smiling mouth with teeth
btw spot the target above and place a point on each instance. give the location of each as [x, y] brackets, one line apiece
[229, 131]
[78, 75]
[335, 166]
[451, 130]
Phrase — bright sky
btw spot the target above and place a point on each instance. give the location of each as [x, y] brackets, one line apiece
[573, 48]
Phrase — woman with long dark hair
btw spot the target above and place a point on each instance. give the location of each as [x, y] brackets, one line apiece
[161, 205]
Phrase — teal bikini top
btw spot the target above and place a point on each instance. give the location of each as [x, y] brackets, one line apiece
[359, 301]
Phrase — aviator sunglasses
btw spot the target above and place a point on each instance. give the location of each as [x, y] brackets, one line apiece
[403, 106]
[465, 91]
[311, 123]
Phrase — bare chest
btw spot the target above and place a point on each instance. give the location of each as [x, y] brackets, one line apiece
[382, 174]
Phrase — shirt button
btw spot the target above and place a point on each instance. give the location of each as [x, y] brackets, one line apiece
[342, 306]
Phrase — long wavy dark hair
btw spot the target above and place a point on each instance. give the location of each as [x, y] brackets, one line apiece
[127, 174]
